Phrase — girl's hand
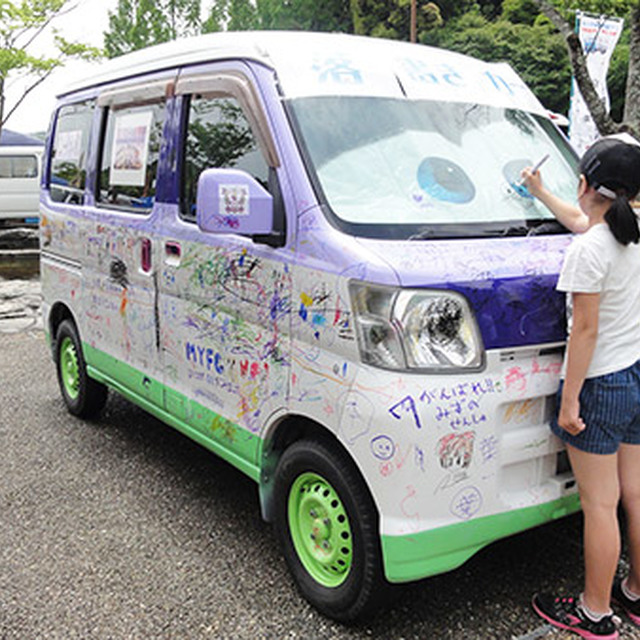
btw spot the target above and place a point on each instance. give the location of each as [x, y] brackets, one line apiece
[569, 417]
[533, 181]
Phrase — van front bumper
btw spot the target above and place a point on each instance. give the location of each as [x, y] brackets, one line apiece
[427, 553]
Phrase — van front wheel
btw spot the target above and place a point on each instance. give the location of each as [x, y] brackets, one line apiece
[327, 526]
[83, 396]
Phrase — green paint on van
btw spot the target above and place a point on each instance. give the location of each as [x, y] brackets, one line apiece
[428, 553]
[225, 438]
[406, 557]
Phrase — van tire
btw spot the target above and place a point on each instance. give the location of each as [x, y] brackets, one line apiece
[83, 396]
[328, 528]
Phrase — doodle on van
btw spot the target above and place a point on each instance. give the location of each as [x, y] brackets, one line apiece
[383, 447]
[420, 71]
[488, 448]
[466, 503]
[337, 69]
[455, 453]
[406, 405]
[357, 415]
[118, 273]
[455, 450]
[409, 509]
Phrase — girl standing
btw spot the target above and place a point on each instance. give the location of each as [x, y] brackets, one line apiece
[599, 412]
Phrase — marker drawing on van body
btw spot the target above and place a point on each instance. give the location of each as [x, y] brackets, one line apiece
[249, 244]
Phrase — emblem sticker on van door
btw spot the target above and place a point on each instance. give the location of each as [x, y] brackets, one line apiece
[234, 200]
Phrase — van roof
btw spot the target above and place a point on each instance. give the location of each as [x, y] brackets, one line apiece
[15, 139]
[311, 64]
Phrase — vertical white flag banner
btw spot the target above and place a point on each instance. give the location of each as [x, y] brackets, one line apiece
[598, 36]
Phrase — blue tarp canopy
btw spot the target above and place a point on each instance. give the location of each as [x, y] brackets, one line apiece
[15, 139]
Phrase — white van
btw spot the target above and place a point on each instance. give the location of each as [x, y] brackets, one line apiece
[312, 254]
[20, 181]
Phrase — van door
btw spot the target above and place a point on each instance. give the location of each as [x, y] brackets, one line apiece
[224, 297]
[121, 296]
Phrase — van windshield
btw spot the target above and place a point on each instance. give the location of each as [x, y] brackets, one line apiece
[398, 169]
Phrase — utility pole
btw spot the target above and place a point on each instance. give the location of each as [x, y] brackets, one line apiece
[414, 19]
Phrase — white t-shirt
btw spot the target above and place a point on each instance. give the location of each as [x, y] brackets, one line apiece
[597, 263]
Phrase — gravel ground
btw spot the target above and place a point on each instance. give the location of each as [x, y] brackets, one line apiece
[122, 528]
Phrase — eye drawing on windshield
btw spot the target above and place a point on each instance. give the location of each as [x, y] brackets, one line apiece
[445, 180]
[512, 171]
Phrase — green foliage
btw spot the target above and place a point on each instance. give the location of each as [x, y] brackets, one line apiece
[20, 25]
[392, 19]
[618, 8]
[520, 11]
[136, 24]
[305, 15]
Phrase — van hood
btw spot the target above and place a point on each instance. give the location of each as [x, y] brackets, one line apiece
[509, 282]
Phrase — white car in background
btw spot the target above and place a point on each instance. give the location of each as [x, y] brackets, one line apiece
[20, 168]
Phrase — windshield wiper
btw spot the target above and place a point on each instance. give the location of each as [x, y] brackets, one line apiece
[548, 227]
[516, 230]
[422, 235]
[551, 227]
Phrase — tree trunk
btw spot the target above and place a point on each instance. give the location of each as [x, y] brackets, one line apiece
[599, 113]
[1, 103]
[632, 96]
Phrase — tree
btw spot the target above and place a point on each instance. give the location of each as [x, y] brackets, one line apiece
[306, 15]
[391, 19]
[136, 24]
[302, 15]
[20, 26]
[558, 15]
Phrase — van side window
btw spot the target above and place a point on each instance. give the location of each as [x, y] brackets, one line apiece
[218, 136]
[130, 154]
[18, 167]
[68, 172]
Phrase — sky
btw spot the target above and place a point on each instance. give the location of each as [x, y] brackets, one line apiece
[86, 23]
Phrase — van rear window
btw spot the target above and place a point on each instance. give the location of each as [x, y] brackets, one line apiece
[18, 167]
[68, 173]
[130, 154]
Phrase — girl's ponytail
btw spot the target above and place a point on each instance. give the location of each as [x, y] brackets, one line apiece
[623, 221]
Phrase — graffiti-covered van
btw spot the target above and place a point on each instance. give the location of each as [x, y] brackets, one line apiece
[313, 255]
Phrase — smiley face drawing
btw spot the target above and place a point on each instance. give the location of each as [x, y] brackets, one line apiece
[383, 447]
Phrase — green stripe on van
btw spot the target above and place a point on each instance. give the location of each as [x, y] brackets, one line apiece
[412, 557]
[225, 438]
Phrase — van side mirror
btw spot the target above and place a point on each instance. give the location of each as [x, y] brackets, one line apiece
[231, 201]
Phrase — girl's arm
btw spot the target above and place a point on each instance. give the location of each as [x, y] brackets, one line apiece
[567, 214]
[582, 342]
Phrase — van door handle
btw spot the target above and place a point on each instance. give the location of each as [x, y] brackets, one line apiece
[145, 255]
[172, 252]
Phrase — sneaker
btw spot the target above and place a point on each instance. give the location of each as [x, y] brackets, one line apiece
[631, 607]
[566, 613]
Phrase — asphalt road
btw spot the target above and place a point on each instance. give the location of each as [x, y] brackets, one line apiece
[123, 528]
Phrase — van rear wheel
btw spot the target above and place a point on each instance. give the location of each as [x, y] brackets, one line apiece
[327, 525]
[83, 396]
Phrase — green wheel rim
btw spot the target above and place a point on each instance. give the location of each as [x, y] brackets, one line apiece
[320, 530]
[69, 368]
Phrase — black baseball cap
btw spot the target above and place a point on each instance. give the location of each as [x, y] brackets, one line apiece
[611, 164]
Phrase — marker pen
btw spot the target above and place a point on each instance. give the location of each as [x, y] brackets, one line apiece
[535, 168]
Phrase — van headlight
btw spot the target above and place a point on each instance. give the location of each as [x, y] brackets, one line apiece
[427, 329]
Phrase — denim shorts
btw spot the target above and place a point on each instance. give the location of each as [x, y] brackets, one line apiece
[610, 408]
